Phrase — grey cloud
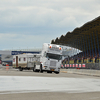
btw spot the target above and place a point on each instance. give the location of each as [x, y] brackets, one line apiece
[43, 12]
[43, 17]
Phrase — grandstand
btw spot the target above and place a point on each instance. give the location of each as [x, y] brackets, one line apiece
[87, 40]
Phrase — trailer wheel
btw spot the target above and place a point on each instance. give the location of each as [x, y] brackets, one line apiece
[34, 68]
[41, 71]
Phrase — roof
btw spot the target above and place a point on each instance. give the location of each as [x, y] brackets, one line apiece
[84, 38]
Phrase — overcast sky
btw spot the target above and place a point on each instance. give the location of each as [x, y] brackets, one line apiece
[30, 23]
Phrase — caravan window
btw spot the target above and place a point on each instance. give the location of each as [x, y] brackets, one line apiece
[14, 60]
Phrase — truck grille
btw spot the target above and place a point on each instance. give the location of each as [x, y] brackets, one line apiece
[53, 63]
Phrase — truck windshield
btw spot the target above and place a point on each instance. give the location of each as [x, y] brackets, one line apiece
[53, 56]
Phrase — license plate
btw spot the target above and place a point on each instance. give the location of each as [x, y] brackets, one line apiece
[52, 69]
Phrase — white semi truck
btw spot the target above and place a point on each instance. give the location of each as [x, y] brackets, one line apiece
[48, 60]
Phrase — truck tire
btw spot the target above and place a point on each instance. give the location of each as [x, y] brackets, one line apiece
[41, 71]
[49, 71]
[20, 69]
[56, 72]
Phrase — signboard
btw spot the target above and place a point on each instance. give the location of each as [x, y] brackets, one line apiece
[21, 52]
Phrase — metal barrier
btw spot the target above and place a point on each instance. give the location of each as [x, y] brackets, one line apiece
[93, 66]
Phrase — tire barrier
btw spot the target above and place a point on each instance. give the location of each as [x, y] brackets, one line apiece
[82, 66]
[62, 66]
[76, 65]
[79, 65]
[67, 65]
[73, 65]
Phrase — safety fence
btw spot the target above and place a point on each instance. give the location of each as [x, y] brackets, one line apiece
[82, 66]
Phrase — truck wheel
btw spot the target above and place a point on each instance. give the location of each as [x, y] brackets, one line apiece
[56, 72]
[49, 71]
[20, 69]
[41, 71]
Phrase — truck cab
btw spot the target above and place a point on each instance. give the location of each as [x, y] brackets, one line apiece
[51, 57]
